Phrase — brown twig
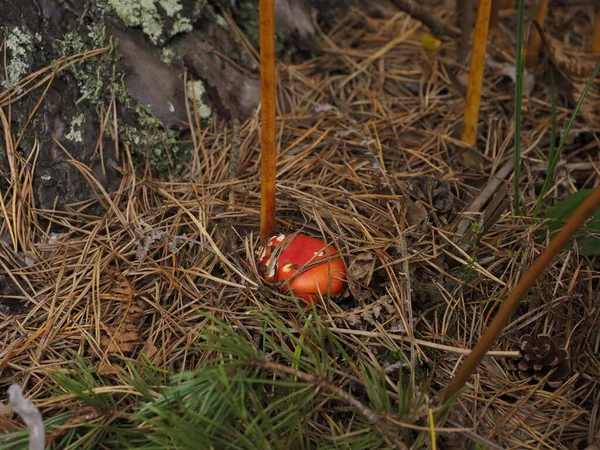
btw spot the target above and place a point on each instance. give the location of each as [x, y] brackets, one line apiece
[323, 384]
[268, 111]
[473, 99]
[583, 212]
[234, 159]
[535, 41]
[416, 11]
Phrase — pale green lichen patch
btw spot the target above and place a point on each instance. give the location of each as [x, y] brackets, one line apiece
[171, 7]
[95, 76]
[168, 55]
[97, 34]
[160, 146]
[146, 15]
[220, 20]
[182, 25]
[195, 91]
[20, 45]
[99, 80]
[76, 130]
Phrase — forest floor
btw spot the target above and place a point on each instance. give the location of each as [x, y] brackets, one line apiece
[138, 319]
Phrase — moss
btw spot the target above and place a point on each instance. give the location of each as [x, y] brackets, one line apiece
[20, 45]
[195, 91]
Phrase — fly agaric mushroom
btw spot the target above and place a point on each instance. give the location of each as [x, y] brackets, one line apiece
[305, 266]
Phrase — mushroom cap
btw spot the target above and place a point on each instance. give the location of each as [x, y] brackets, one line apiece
[304, 265]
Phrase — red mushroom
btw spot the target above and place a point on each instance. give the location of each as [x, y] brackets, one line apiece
[304, 265]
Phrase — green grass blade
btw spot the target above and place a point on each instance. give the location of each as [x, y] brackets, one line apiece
[552, 118]
[518, 105]
[563, 140]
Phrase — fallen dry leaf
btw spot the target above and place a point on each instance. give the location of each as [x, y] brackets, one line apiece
[121, 340]
[361, 268]
[123, 335]
[577, 67]
[416, 213]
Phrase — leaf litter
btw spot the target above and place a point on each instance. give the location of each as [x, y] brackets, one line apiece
[372, 120]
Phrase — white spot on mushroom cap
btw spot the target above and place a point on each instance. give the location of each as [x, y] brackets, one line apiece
[280, 238]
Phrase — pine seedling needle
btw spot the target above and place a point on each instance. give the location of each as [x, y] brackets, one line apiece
[473, 97]
[508, 308]
[268, 111]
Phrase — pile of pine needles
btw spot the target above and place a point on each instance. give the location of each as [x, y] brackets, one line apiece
[139, 319]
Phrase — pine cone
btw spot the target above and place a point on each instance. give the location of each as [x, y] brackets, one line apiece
[438, 194]
[538, 357]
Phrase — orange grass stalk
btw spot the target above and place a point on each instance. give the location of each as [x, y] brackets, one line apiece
[595, 48]
[473, 99]
[535, 41]
[267, 93]
[508, 308]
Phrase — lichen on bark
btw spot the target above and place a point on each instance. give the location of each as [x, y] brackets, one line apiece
[146, 14]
